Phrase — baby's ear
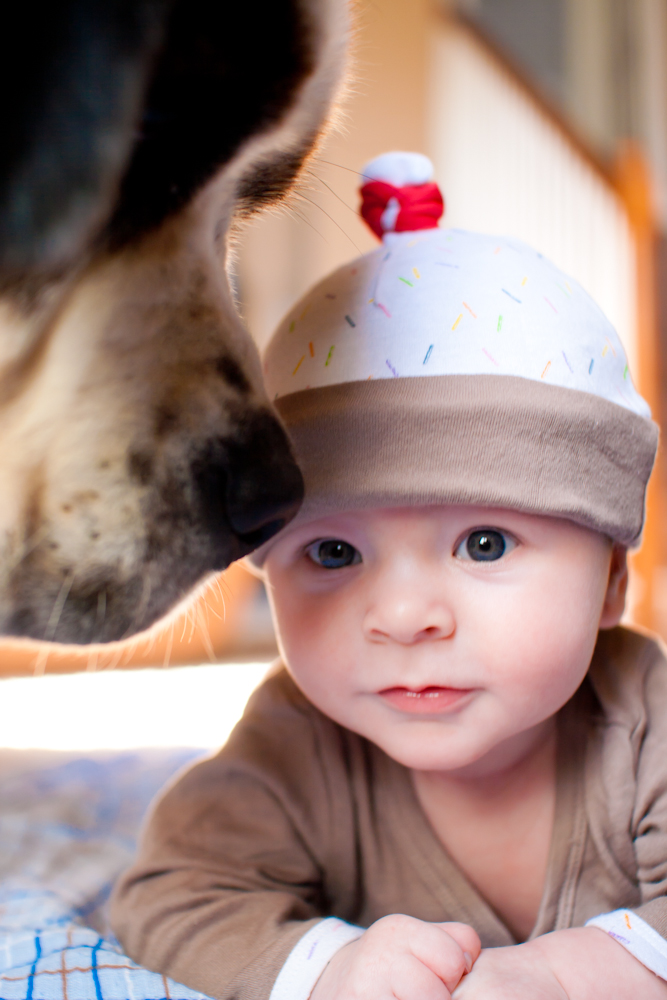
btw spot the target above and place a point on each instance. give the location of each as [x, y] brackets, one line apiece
[617, 586]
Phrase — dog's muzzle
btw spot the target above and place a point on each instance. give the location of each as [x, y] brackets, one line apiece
[250, 485]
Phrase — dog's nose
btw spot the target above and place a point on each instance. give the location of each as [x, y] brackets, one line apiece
[264, 483]
[250, 482]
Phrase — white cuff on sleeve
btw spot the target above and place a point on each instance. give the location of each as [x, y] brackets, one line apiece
[638, 937]
[307, 960]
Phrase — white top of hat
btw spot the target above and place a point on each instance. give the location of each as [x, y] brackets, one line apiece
[450, 302]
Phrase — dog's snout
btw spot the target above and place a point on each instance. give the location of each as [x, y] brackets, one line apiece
[250, 483]
[264, 486]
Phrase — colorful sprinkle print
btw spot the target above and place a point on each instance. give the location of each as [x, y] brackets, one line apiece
[458, 302]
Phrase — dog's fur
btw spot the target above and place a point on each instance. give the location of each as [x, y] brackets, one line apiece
[137, 449]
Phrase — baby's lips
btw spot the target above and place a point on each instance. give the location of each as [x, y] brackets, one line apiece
[430, 699]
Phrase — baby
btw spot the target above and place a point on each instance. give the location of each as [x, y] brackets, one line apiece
[455, 784]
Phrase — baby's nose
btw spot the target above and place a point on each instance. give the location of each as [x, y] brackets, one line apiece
[409, 621]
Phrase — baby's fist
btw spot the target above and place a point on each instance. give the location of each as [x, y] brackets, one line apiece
[400, 958]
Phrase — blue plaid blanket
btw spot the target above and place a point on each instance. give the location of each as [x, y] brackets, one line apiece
[68, 826]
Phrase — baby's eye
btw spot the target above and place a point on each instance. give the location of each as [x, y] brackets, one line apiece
[485, 545]
[332, 553]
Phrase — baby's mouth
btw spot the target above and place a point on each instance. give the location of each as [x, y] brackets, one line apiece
[429, 700]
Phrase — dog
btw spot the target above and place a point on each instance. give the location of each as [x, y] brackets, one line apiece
[138, 451]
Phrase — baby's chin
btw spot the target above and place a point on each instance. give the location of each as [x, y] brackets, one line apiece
[428, 745]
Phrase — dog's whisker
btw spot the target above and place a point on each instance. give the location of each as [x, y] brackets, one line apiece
[186, 616]
[170, 643]
[40, 662]
[192, 616]
[331, 218]
[146, 592]
[115, 660]
[221, 595]
[205, 635]
[340, 166]
[27, 547]
[337, 196]
[151, 640]
[59, 604]
[307, 222]
[209, 607]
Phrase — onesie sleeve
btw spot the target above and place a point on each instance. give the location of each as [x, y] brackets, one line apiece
[245, 855]
[642, 929]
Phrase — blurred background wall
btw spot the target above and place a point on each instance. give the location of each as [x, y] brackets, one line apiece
[546, 120]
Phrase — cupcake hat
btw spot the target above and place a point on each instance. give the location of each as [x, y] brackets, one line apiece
[450, 367]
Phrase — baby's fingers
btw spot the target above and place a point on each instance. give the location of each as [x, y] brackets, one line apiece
[439, 950]
[412, 980]
[465, 936]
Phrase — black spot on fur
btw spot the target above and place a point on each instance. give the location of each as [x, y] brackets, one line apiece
[231, 372]
[140, 467]
[166, 420]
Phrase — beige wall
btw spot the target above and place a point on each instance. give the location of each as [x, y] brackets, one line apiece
[282, 254]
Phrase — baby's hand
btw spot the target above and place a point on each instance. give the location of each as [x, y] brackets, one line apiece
[583, 963]
[519, 972]
[400, 958]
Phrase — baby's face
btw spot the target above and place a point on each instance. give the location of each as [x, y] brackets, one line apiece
[448, 636]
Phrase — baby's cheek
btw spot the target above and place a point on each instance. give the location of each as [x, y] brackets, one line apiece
[311, 635]
[536, 682]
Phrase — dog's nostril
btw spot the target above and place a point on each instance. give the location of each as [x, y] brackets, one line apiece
[253, 539]
[264, 484]
[249, 483]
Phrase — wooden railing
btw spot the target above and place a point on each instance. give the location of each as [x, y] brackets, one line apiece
[510, 163]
